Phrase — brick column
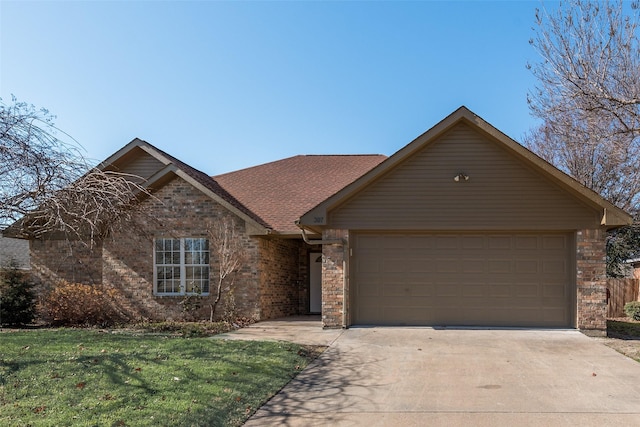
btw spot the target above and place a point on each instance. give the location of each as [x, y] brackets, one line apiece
[333, 279]
[591, 281]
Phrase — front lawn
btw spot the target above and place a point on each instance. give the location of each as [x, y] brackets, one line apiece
[90, 378]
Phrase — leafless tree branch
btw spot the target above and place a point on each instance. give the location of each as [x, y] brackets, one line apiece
[588, 95]
[46, 185]
[227, 252]
[588, 100]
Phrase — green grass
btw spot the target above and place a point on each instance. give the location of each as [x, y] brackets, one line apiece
[87, 378]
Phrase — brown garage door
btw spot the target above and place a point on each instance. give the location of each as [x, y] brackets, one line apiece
[462, 279]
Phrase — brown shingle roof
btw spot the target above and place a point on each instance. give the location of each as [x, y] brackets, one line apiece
[209, 183]
[280, 192]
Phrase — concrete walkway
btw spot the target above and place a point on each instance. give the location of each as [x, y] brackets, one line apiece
[450, 377]
[299, 329]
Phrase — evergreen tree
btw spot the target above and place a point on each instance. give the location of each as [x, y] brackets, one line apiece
[17, 298]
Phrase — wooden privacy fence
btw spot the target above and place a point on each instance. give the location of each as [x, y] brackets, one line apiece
[620, 292]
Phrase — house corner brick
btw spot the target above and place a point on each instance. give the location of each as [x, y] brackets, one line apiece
[333, 279]
[591, 281]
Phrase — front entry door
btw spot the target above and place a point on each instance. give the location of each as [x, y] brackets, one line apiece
[315, 282]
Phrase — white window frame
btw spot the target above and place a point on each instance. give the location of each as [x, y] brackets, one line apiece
[183, 266]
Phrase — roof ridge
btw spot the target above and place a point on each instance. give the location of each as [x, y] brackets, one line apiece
[295, 157]
[342, 155]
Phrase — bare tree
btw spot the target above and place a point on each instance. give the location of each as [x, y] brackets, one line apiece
[46, 185]
[227, 253]
[588, 99]
[588, 95]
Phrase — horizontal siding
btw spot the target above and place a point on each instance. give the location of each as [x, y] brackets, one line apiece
[502, 192]
[140, 163]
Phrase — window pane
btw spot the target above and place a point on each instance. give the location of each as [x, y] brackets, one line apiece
[197, 279]
[175, 279]
[205, 280]
[197, 253]
[167, 251]
[195, 260]
[168, 279]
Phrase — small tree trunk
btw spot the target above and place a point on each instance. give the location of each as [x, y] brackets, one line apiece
[217, 300]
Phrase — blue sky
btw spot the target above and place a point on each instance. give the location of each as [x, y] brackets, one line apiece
[227, 85]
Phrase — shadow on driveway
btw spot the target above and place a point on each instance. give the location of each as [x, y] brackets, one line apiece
[422, 376]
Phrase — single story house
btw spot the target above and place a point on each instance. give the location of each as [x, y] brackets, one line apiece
[461, 227]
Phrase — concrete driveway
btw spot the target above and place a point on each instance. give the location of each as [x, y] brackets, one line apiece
[449, 377]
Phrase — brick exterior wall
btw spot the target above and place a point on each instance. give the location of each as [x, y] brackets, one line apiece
[333, 279]
[282, 287]
[591, 281]
[271, 283]
[73, 261]
[179, 210]
[14, 252]
[125, 261]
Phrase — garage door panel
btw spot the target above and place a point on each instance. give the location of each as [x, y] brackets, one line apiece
[499, 266]
[413, 315]
[526, 290]
[394, 290]
[499, 242]
[473, 242]
[554, 242]
[526, 242]
[474, 290]
[450, 265]
[554, 267]
[526, 267]
[473, 266]
[487, 279]
[419, 265]
[368, 265]
[553, 290]
[422, 290]
[497, 291]
[370, 289]
[555, 315]
[446, 242]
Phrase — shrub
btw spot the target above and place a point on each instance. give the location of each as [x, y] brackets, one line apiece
[17, 298]
[632, 310]
[75, 304]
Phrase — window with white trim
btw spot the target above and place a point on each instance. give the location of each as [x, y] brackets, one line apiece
[181, 266]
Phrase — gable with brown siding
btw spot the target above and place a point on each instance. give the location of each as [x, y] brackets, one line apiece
[502, 192]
